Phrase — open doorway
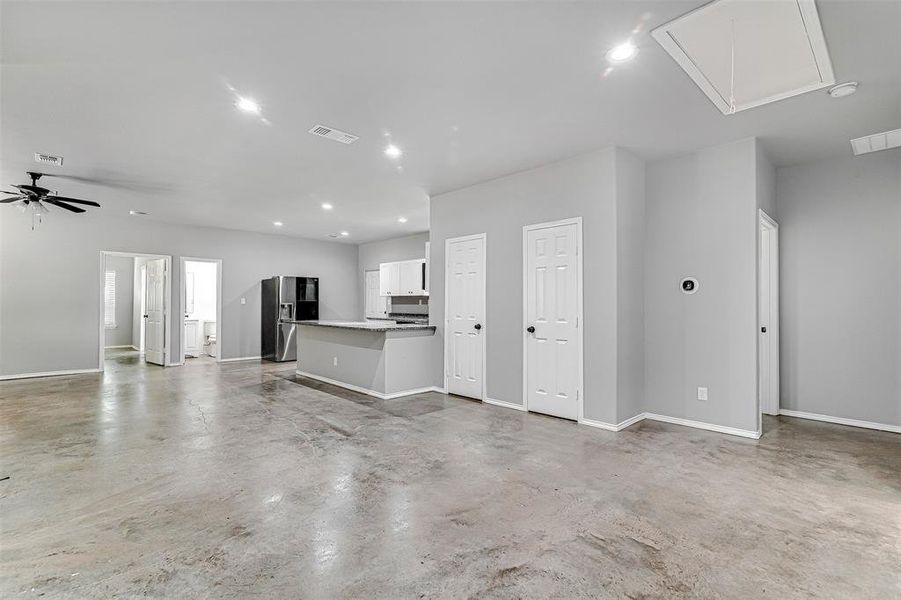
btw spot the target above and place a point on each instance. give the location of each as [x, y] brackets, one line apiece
[768, 326]
[134, 308]
[201, 309]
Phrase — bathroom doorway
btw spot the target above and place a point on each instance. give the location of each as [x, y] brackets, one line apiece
[201, 309]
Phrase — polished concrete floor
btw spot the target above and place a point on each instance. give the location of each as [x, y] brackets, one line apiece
[238, 480]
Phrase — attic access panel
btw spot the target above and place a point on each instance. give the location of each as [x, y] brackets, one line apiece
[779, 50]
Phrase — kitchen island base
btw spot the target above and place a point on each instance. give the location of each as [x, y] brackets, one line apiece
[382, 362]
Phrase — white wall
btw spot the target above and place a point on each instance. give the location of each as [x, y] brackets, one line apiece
[583, 186]
[50, 285]
[840, 253]
[371, 255]
[124, 267]
[702, 222]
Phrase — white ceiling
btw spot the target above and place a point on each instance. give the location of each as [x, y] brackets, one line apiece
[137, 94]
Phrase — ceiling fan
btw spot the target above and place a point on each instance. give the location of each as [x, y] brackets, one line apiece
[37, 198]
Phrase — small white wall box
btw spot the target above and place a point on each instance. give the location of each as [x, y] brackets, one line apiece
[689, 285]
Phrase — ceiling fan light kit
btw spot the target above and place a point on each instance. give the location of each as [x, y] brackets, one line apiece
[38, 199]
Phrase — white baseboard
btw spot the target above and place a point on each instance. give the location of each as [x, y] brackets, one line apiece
[240, 358]
[840, 420]
[133, 348]
[367, 391]
[504, 404]
[598, 424]
[117, 347]
[754, 435]
[48, 374]
[610, 426]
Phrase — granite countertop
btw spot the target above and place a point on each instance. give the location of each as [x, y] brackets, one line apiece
[369, 326]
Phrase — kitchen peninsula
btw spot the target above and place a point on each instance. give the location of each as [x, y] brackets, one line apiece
[384, 359]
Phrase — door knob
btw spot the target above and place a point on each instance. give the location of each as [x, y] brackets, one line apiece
[763, 330]
[530, 329]
[146, 316]
[477, 326]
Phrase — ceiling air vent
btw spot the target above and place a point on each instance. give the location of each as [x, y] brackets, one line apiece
[334, 134]
[745, 54]
[48, 159]
[876, 142]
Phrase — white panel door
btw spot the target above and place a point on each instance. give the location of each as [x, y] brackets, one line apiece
[552, 305]
[376, 303]
[155, 312]
[192, 335]
[465, 342]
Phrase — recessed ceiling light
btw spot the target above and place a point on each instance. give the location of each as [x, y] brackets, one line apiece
[622, 53]
[327, 206]
[402, 219]
[843, 89]
[248, 105]
[392, 151]
[137, 213]
[345, 234]
[277, 223]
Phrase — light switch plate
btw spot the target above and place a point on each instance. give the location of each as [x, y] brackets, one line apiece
[243, 300]
[702, 393]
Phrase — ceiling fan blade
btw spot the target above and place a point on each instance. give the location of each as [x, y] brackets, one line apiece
[69, 207]
[5, 192]
[14, 199]
[74, 200]
[34, 189]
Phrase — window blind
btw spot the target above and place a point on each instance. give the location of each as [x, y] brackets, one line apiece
[109, 299]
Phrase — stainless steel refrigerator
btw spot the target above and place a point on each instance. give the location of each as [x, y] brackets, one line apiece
[285, 300]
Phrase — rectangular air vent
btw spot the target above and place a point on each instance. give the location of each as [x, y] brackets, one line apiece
[334, 134]
[48, 159]
[876, 142]
[745, 54]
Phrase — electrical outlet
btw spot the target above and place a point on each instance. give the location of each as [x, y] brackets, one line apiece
[335, 360]
[243, 300]
[702, 393]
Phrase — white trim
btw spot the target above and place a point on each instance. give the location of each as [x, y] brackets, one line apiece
[504, 404]
[239, 358]
[367, 391]
[484, 335]
[167, 303]
[48, 374]
[115, 347]
[611, 427]
[840, 420]
[133, 347]
[809, 16]
[598, 424]
[581, 316]
[181, 303]
[702, 425]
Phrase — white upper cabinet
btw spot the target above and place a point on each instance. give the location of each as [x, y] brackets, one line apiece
[403, 278]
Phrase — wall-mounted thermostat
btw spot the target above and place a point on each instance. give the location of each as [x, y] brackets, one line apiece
[689, 285]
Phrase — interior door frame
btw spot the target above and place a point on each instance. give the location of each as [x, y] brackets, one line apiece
[767, 222]
[181, 304]
[577, 221]
[167, 303]
[483, 334]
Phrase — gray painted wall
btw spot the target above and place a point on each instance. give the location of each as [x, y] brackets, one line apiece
[121, 335]
[62, 294]
[630, 273]
[840, 286]
[702, 222]
[371, 255]
[583, 186]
